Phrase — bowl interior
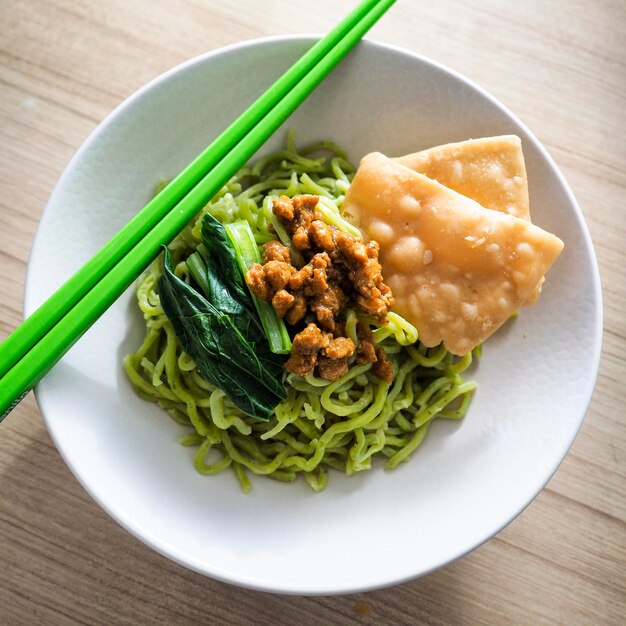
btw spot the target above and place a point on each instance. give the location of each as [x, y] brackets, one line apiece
[467, 481]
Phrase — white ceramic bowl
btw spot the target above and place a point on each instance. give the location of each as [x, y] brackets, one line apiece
[466, 482]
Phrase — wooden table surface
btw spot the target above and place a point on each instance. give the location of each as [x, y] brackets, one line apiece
[65, 64]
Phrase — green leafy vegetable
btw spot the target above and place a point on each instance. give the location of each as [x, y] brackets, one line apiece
[197, 268]
[224, 340]
[220, 247]
[218, 266]
[247, 253]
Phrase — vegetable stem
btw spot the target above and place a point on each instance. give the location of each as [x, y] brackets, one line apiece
[197, 269]
[247, 253]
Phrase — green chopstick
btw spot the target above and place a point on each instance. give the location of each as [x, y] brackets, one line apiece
[18, 343]
[36, 346]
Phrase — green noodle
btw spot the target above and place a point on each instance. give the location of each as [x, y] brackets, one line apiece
[322, 425]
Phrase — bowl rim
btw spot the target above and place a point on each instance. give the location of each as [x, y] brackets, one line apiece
[161, 546]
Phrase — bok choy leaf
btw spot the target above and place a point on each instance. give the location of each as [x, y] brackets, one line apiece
[224, 340]
[243, 250]
[222, 252]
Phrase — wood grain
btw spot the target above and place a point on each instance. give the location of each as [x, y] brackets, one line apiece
[64, 64]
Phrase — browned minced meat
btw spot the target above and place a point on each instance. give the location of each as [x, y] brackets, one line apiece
[275, 251]
[337, 270]
[282, 302]
[327, 306]
[297, 214]
[339, 348]
[278, 274]
[366, 352]
[297, 311]
[314, 347]
[322, 235]
[312, 278]
[332, 369]
[305, 348]
[383, 368]
[365, 274]
[257, 281]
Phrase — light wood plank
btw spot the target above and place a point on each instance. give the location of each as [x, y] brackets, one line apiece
[65, 64]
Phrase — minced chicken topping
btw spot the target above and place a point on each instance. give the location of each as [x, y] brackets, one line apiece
[327, 271]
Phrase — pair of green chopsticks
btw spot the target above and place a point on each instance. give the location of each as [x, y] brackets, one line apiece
[36, 346]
